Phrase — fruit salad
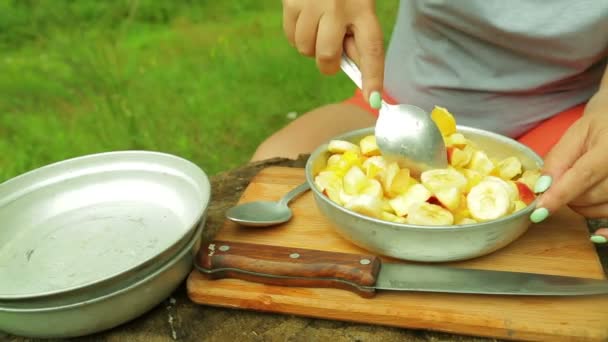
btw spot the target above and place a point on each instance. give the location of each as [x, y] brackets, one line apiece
[475, 187]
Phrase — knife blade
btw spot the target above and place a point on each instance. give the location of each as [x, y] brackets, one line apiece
[364, 274]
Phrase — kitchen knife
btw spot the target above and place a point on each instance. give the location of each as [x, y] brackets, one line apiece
[364, 274]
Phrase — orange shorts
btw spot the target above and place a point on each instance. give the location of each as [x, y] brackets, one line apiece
[540, 138]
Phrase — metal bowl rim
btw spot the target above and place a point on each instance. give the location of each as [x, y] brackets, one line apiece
[412, 227]
[192, 227]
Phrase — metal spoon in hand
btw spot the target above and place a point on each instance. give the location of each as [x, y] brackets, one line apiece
[265, 213]
[404, 133]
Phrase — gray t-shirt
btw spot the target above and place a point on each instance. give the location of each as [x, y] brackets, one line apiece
[501, 65]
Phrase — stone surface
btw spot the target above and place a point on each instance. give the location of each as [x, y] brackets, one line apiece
[178, 319]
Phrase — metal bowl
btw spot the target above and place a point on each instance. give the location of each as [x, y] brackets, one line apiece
[88, 221]
[94, 227]
[427, 243]
[61, 318]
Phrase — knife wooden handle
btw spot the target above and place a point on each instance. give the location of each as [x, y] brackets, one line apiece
[286, 266]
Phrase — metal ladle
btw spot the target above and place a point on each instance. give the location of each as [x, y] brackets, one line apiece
[265, 213]
[404, 133]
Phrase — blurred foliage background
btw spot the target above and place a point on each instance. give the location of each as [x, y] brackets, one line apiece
[205, 80]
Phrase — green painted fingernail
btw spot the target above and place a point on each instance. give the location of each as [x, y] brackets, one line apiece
[598, 239]
[542, 184]
[375, 100]
[539, 215]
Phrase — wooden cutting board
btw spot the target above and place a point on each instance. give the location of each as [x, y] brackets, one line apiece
[559, 246]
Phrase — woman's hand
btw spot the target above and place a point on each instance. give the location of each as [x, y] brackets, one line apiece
[576, 169]
[322, 28]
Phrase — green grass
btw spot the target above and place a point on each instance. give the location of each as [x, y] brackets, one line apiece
[205, 80]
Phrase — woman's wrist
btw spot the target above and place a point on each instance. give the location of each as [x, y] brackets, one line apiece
[598, 103]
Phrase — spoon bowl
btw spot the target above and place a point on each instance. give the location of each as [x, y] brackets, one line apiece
[265, 213]
[259, 214]
[404, 133]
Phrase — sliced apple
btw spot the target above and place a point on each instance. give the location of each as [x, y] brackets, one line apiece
[526, 195]
[461, 214]
[450, 150]
[400, 184]
[456, 140]
[327, 179]
[481, 163]
[355, 180]
[429, 215]
[366, 205]
[529, 177]
[519, 205]
[352, 158]
[386, 206]
[509, 167]
[473, 178]
[373, 188]
[449, 198]
[461, 157]
[392, 217]
[368, 146]
[334, 195]
[374, 166]
[333, 160]
[416, 193]
[345, 162]
[388, 175]
[341, 146]
[433, 200]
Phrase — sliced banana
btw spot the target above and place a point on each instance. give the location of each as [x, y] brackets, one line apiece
[392, 217]
[424, 213]
[441, 179]
[366, 205]
[488, 200]
[511, 187]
